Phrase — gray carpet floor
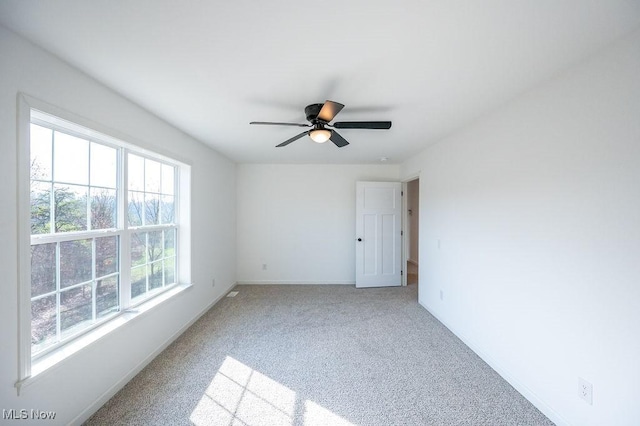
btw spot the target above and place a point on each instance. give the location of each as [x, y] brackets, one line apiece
[318, 355]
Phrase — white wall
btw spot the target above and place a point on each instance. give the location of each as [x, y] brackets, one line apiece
[537, 208]
[79, 382]
[299, 220]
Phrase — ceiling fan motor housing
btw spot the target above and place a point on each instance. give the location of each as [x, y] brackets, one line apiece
[312, 111]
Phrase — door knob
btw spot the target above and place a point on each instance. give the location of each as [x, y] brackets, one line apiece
[359, 239]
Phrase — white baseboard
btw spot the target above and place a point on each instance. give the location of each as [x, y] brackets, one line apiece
[106, 396]
[274, 282]
[504, 373]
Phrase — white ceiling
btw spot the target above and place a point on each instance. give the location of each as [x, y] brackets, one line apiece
[210, 67]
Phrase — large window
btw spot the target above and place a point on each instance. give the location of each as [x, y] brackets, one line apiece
[104, 229]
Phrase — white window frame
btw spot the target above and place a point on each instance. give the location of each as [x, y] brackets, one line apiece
[31, 110]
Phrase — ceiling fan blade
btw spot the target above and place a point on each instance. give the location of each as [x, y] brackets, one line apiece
[362, 125]
[274, 123]
[295, 138]
[329, 110]
[338, 140]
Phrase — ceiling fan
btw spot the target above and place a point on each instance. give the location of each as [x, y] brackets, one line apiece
[319, 117]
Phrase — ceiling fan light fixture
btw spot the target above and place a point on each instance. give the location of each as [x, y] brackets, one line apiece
[320, 135]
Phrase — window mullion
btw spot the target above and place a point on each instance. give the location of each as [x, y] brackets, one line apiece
[94, 283]
[159, 195]
[88, 205]
[176, 220]
[164, 256]
[150, 228]
[123, 223]
[72, 236]
[58, 286]
[52, 195]
[147, 259]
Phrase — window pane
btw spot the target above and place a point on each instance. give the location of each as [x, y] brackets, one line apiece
[43, 269]
[40, 148]
[169, 242]
[136, 173]
[154, 246]
[168, 183]
[75, 262]
[43, 322]
[151, 176]
[155, 275]
[107, 291]
[138, 249]
[75, 308]
[135, 208]
[168, 209]
[138, 281]
[70, 159]
[169, 270]
[103, 208]
[103, 165]
[151, 209]
[70, 208]
[106, 256]
[40, 207]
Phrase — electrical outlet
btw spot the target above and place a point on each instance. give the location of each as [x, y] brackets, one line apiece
[264, 266]
[213, 282]
[585, 390]
[441, 295]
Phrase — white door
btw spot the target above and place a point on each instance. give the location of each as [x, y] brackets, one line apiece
[378, 234]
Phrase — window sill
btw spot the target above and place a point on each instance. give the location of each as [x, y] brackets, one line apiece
[52, 360]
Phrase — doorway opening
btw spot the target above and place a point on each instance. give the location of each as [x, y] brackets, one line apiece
[411, 231]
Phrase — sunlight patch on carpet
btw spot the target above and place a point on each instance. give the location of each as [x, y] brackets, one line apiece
[316, 415]
[238, 392]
